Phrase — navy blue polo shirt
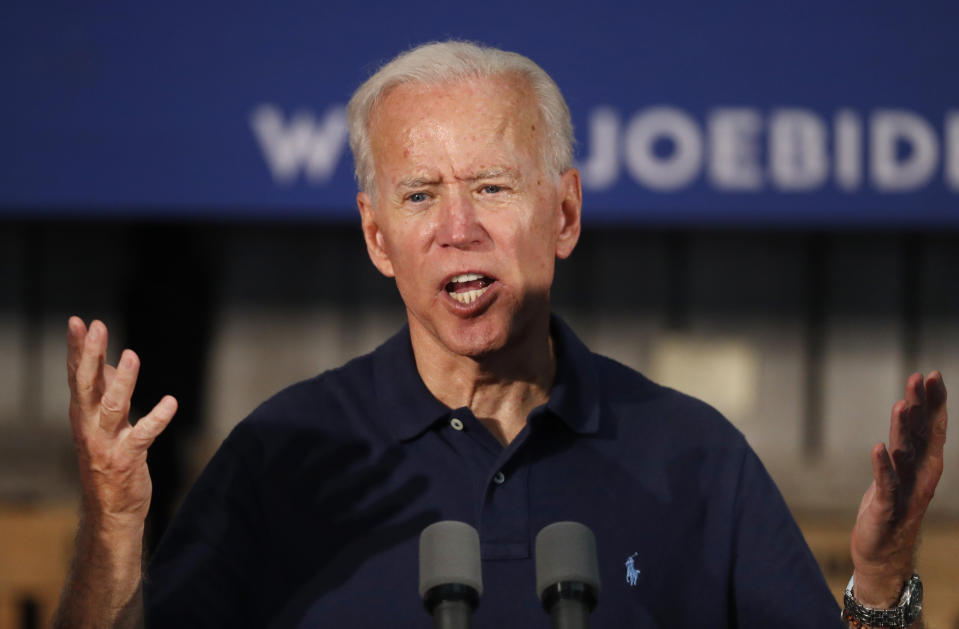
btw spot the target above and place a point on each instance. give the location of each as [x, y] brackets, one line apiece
[309, 514]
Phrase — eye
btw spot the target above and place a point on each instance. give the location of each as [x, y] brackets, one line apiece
[417, 197]
[492, 188]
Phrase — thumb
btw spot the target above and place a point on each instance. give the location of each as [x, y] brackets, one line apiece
[153, 423]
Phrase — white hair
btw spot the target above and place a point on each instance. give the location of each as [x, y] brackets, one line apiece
[444, 62]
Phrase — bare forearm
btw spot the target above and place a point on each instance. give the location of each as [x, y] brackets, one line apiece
[103, 588]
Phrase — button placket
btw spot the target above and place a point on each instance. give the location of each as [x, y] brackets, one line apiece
[505, 514]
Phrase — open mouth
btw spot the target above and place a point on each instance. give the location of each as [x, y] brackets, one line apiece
[468, 287]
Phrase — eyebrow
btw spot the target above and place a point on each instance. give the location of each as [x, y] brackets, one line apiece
[491, 173]
[417, 182]
[488, 173]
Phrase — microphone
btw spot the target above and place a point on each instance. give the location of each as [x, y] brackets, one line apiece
[451, 578]
[567, 573]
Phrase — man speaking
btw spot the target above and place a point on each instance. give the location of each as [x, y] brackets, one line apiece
[485, 409]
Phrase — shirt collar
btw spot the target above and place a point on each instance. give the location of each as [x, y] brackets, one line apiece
[406, 404]
[409, 408]
[575, 397]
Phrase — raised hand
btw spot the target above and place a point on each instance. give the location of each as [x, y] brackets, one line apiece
[905, 476]
[103, 587]
[111, 452]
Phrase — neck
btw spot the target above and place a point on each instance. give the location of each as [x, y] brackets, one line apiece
[500, 388]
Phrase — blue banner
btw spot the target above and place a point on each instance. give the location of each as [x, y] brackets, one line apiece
[814, 114]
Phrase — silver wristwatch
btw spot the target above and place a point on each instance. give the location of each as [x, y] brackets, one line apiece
[902, 615]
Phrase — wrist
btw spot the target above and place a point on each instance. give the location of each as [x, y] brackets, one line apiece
[906, 610]
[113, 546]
[880, 589]
[98, 513]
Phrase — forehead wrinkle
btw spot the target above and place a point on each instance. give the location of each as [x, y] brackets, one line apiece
[425, 133]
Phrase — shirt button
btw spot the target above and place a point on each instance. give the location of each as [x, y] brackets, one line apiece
[456, 423]
[499, 478]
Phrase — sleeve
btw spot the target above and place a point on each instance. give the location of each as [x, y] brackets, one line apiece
[776, 580]
[202, 572]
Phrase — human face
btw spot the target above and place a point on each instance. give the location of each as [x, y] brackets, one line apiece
[465, 218]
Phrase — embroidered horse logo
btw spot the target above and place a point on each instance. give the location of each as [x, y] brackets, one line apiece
[632, 574]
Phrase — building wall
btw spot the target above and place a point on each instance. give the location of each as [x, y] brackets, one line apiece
[803, 341]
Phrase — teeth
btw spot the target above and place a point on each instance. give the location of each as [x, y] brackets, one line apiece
[466, 277]
[469, 296]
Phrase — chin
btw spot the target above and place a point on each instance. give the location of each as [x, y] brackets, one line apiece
[489, 333]
[476, 340]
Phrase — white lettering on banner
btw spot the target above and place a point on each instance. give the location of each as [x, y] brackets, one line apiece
[663, 172]
[601, 168]
[734, 149]
[666, 149]
[952, 149]
[797, 150]
[848, 150]
[301, 145]
[890, 173]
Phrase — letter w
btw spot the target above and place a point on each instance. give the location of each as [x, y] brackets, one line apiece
[302, 144]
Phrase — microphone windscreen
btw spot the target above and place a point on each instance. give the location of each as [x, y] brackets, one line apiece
[450, 553]
[566, 551]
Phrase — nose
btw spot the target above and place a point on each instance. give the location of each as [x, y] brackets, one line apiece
[459, 223]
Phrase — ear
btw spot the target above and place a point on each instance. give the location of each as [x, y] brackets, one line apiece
[375, 244]
[568, 217]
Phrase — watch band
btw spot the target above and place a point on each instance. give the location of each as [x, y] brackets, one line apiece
[902, 615]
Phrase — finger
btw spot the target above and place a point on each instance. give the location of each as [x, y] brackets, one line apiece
[907, 442]
[152, 424]
[884, 475]
[90, 369]
[76, 332]
[109, 373]
[916, 426]
[115, 402]
[909, 429]
[915, 391]
[936, 407]
[897, 426]
[935, 391]
[901, 431]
